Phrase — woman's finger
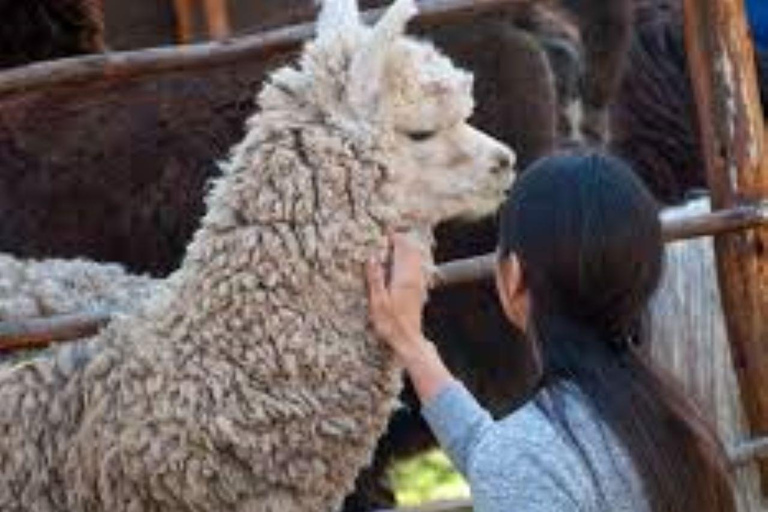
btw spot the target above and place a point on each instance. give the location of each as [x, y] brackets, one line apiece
[375, 279]
[407, 262]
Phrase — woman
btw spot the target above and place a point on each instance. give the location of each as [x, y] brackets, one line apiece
[580, 253]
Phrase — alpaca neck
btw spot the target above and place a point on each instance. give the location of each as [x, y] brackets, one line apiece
[305, 220]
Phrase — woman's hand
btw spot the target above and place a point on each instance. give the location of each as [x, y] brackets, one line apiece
[396, 308]
[395, 311]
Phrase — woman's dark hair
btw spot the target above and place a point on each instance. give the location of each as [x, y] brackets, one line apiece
[588, 238]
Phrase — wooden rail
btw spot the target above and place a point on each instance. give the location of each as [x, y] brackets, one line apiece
[40, 332]
[157, 60]
[723, 75]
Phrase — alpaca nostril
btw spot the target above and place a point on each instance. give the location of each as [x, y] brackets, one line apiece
[503, 163]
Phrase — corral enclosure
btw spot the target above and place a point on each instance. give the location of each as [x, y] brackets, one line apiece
[103, 104]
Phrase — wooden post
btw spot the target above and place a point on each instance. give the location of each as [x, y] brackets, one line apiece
[217, 15]
[183, 11]
[721, 64]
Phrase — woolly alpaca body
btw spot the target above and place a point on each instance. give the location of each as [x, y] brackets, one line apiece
[31, 288]
[249, 381]
[208, 399]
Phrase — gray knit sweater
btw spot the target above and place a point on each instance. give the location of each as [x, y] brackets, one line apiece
[526, 462]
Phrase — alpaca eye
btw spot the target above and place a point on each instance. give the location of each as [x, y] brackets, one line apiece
[420, 136]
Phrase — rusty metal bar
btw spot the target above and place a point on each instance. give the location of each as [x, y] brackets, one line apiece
[747, 451]
[157, 60]
[31, 333]
[463, 271]
[723, 75]
[39, 332]
[742, 217]
[739, 218]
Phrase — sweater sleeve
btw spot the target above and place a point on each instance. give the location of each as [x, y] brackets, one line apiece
[458, 422]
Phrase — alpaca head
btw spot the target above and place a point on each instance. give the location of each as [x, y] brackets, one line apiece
[401, 96]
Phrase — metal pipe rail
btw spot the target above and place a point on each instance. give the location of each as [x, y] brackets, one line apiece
[745, 216]
[40, 332]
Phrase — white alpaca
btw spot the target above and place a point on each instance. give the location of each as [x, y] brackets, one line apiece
[39, 289]
[249, 381]
[44, 288]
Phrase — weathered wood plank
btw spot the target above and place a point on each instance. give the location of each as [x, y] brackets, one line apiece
[721, 60]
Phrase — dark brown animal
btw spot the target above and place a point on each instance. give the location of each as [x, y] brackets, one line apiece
[587, 74]
[653, 119]
[135, 24]
[34, 30]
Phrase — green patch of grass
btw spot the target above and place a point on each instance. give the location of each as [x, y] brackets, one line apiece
[426, 478]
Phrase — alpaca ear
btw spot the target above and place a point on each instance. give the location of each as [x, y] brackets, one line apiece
[368, 65]
[337, 16]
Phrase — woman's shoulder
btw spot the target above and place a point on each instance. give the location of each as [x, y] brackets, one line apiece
[537, 423]
[527, 459]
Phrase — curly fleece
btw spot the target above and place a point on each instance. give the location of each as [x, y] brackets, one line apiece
[44, 288]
